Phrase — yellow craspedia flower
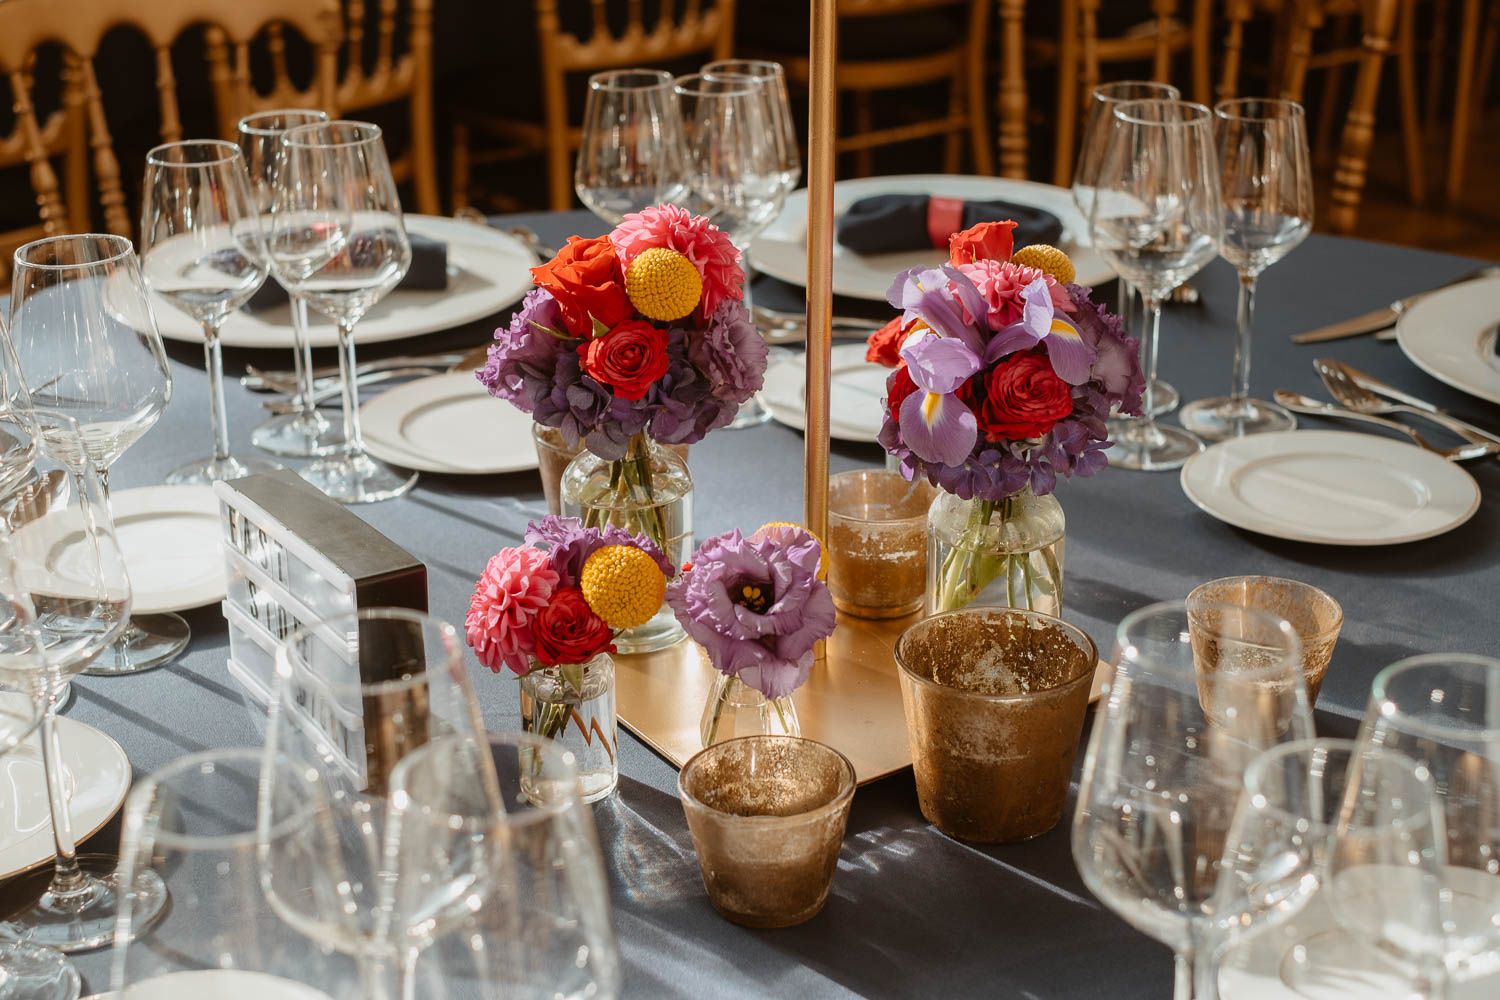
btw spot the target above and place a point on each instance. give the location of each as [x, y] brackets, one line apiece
[663, 284]
[623, 585]
[1045, 258]
[773, 529]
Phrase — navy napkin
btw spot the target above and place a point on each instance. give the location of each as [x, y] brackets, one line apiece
[886, 223]
[428, 273]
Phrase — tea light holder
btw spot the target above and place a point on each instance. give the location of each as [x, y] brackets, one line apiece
[877, 542]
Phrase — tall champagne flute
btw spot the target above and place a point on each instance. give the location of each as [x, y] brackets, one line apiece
[338, 240]
[630, 153]
[778, 108]
[306, 432]
[1097, 120]
[1265, 178]
[1157, 220]
[67, 599]
[202, 250]
[85, 340]
[1196, 693]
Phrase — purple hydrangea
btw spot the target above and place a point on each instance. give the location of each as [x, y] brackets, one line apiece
[570, 544]
[757, 606]
[731, 353]
[687, 408]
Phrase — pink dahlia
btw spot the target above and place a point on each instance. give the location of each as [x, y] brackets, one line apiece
[515, 585]
[1001, 285]
[693, 236]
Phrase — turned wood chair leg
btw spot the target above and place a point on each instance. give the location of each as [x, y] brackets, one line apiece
[1359, 129]
[1236, 13]
[1463, 99]
[1411, 123]
[1436, 63]
[1203, 22]
[1330, 105]
[975, 105]
[460, 165]
[1067, 95]
[1012, 89]
[864, 121]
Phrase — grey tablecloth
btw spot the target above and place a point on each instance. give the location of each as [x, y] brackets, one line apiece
[913, 913]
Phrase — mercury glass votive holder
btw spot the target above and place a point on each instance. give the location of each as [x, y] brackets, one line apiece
[767, 815]
[995, 700]
[877, 542]
[1313, 614]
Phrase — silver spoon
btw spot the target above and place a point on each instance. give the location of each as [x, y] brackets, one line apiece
[1316, 407]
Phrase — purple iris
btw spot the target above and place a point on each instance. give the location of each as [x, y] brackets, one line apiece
[1071, 356]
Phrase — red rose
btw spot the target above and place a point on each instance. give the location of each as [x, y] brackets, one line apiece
[884, 345]
[898, 385]
[986, 241]
[568, 631]
[628, 359]
[1024, 398]
[585, 280]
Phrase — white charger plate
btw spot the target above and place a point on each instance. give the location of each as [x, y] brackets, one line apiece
[1330, 487]
[1450, 335]
[781, 251]
[488, 270]
[856, 388]
[221, 984]
[96, 774]
[448, 424]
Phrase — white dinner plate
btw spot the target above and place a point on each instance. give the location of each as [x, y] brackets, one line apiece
[1333, 487]
[856, 388]
[450, 424]
[96, 774]
[1451, 335]
[488, 270]
[781, 251]
[221, 984]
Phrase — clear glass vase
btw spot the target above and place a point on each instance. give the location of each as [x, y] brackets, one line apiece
[1006, 554]
[736, 709]
[648, 492]
[574, 705]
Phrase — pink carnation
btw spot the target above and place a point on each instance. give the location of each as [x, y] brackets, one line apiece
[693, 236]
[1001, 285]
[515, 585]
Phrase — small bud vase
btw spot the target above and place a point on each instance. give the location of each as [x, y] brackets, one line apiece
[573, 704]
[736, 709]
[1005, 554]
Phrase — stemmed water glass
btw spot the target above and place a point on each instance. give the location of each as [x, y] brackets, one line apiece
[1157, 221]
[202, 250]
[1097, 121]
[67, 599]
[338, 240]
[1196, 693]
[1265, 178]
[778, 107]
[85, 341]
[630, 153]
[306, 432]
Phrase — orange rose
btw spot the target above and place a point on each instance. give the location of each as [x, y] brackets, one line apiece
[986, 241]
[585, 280]
[884, 345]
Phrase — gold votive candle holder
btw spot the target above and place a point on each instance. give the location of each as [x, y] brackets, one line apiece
[553, 453]
[767, 816]
[1313, 614]
[995, 700]
[877, 542]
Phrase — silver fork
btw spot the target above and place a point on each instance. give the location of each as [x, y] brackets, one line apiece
[1316, 407]
[1361, 400]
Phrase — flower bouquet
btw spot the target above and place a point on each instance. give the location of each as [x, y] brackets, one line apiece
[552, 616]
[632, 340]
[1004, 372]
[758, 606]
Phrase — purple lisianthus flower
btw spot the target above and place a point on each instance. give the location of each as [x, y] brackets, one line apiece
[757, 606]
[523, 358]
[570, 544]
[730, 352]
[1117, 366]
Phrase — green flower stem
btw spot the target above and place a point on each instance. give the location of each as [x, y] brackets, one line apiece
[971, 565]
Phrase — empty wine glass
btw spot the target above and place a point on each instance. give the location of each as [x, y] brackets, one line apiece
[18, 432]
[305, 432]
[338, 240]
[203, 251]
[67, 600]
[1156, 220]
[1265, 178]
[778, 107]
[1098, 118]
[85, 341]
[630, 152]
[1194, 696]
[192, 826]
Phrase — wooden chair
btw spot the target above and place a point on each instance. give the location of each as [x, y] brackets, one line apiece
[366, 83]
[60, 134]
[79, 25]
[1476, 63]
[695, 31]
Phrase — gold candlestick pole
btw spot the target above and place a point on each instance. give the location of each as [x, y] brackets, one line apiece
[821, 126]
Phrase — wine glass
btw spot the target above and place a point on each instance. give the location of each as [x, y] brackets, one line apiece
[17, 428]
[192, 826]
[630, 152]
[1443, 710]
[67, 600]
[338, 240]
[85, 342]
[202, 250]
[1098, 118]
[515, 889]
[778, 107]
[304, 433]
[1156, 220]
[1265, 178]
[1196, 693]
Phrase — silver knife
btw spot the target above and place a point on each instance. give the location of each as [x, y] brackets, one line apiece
[1380, 388]
[1378, 319]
